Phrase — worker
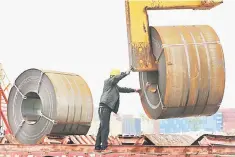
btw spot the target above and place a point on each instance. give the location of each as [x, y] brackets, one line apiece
[109, 102]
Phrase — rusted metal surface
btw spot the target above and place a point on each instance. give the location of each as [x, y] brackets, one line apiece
[170, 140]
[3, 140]
[112, 140]
[8, 139]
[5, 86]
[215, 140]
[75, 154]
[141, 57]
[146, 145]
[128, 148]
[90, 140]
[147, 139]
[125, 140]
[62, 105]
[53, 140]
[3, 114]
[11, 139]
[112, 150]
[78, 140]
[190, 80]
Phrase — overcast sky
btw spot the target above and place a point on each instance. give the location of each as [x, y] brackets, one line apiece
[89, 38]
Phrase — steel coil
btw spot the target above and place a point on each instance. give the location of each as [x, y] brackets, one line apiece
[190, 79]
[49, 103]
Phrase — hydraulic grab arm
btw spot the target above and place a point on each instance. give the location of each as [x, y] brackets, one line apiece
[141, 57]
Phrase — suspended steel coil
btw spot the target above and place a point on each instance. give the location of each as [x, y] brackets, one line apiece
[49, 103]
[190, 79]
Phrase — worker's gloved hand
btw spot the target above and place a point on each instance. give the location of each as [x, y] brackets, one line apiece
[138, 90]
[128, 72]
[147, 84]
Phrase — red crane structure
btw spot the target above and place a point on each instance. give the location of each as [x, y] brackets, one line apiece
[5, 86]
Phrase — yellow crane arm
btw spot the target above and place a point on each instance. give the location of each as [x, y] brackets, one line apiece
[141, 57]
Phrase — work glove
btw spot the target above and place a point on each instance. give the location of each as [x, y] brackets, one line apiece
[147, 84]
[138, 90]
[128, 72]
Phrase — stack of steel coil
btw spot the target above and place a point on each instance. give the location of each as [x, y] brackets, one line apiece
[49, 103]
[190, 79]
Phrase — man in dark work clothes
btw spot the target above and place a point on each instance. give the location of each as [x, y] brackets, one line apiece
[109, 102]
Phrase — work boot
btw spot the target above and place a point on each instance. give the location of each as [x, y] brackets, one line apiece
[104, 147]
[98, 148]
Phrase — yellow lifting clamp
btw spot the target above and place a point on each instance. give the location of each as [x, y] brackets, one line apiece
[141, 58]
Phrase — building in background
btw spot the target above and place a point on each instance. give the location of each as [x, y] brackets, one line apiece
[228, 119]
[131, 126]
[211, 124]
[149, 126]
[128, 125]
[115, 125]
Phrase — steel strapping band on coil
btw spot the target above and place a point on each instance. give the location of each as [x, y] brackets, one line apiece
[185, 44]
[49, 103]
[190, 79]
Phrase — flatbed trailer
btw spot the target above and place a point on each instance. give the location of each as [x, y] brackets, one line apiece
[114, 151]
[145, 145]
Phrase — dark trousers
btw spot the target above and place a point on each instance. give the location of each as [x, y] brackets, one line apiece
[103, 132]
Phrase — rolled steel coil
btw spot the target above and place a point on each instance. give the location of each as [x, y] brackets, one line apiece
[49, 103]
[190, 80]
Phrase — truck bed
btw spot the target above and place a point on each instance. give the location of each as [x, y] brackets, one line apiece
[88, 150]
[145, 145]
